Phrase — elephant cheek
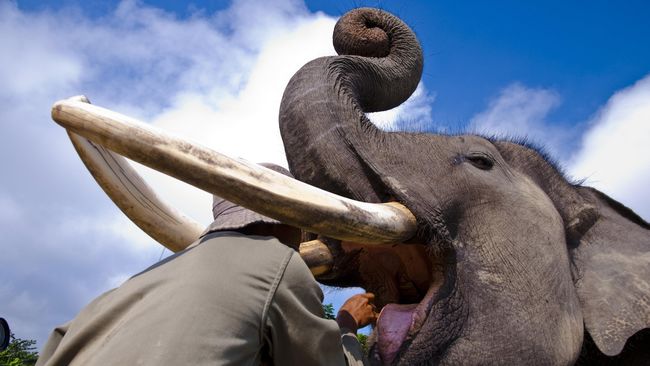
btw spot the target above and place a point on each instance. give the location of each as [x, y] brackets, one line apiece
[570, 327]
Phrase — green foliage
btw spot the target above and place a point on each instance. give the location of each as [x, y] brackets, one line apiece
[329, 311]
[363, 340]
[21, 352]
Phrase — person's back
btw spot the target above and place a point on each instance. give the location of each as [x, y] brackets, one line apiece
[223, 299]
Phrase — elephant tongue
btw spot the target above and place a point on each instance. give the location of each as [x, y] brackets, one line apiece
[392, 328]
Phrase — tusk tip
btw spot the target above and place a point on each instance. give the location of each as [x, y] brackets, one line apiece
[56, 109]
[317, 256]
[57, 106]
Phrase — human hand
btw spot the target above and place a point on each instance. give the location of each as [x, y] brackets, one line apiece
[357, 312]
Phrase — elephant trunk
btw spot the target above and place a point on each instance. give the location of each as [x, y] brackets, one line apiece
[325, 131]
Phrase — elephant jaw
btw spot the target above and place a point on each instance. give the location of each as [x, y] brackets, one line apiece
[406, 279]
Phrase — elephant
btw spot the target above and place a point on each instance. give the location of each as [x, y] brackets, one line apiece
[511, 263]
[480, 250]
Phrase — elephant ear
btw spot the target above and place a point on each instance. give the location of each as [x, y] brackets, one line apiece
[612, 263]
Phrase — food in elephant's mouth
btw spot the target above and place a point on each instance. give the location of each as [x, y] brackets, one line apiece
[405, 279]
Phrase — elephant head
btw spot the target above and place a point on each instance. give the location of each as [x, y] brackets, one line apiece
[511, 263]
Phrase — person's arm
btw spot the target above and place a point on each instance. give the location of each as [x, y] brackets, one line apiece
[357, 312]
[296, 330]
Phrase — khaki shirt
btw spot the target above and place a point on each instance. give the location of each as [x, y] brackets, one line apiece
[229, 299]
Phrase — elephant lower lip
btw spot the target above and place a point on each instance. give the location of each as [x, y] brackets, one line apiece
[393, 326]
[398, 324]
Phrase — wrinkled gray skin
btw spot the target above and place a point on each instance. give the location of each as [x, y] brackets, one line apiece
[534, 267]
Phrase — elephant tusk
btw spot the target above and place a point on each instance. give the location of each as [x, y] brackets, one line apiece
[168, 226]
[250, 185]
[126, 188]
[173, 229]
[317, 255]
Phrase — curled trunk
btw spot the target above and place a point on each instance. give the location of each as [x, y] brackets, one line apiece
[326, 134]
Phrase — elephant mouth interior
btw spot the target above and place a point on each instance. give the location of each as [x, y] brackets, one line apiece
[405, 279]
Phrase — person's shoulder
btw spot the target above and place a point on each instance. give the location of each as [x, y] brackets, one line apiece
[298, 273]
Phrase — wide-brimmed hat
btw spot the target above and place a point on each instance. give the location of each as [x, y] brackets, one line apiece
[230, 216]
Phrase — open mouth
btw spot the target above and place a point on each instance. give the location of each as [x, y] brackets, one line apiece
[405, 279]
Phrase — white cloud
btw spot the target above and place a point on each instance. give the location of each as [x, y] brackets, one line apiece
[10, 210]
[521, 112]
[413, 115]
[615, 153]
[27, 43]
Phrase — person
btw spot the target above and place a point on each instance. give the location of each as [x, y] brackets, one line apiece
[240, 295]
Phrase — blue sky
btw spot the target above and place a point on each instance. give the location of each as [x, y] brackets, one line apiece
[583, 51]
[571, 76]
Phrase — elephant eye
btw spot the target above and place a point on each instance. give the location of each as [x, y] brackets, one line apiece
[480, 161]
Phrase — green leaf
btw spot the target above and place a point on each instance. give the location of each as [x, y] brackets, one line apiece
[328, 309]
[20, 352]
